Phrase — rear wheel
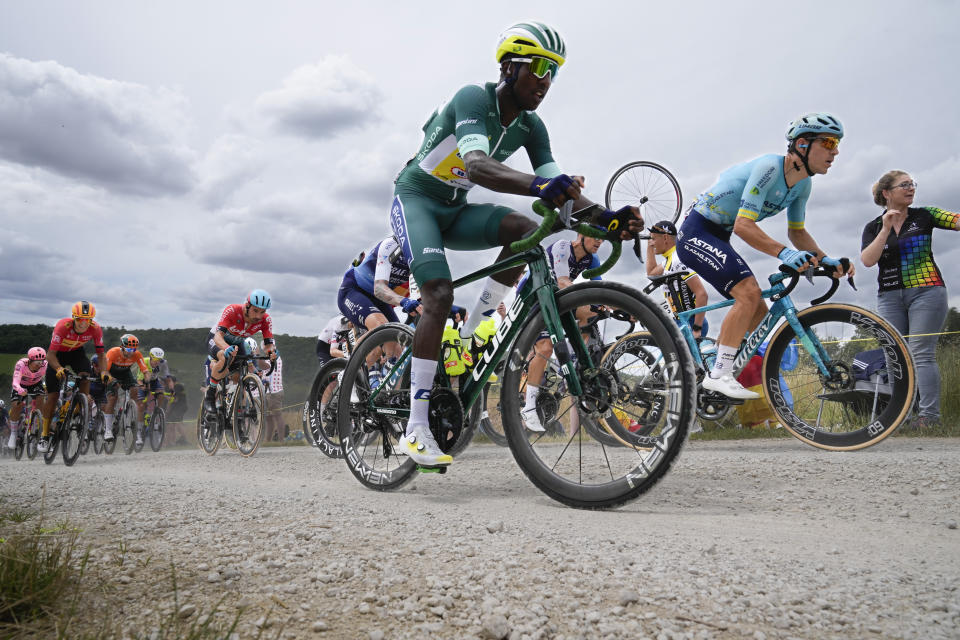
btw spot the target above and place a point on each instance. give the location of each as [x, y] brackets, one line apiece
[248, 414]
[158, 427]
[320, 409]
[837, 411]
[485, 413]
[54, 435]
[577, 469]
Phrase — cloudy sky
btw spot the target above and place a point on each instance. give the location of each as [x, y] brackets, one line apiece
[161, 159]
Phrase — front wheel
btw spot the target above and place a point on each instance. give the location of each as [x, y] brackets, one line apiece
[575, 468]
[320, 409]
[848, 407]
[248, 414]
[128, 427]
[158, 426]
[635, 181]
[208, 431]
[33, 433]
[370, 430]
[98, 427]
[74, 429]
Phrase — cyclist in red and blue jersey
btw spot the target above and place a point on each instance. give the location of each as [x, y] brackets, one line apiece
[465, 142]
[567, 261]
[226, 338]
[66, 350]
[28, 375]
[742, 196]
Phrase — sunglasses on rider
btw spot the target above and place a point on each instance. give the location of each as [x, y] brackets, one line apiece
[129, 349]
[909, 184]
[829, 142]
[541, 66]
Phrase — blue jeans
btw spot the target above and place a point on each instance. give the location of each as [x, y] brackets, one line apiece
[920, 310]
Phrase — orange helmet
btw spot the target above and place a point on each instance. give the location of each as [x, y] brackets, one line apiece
[129, 341]
[84, 310]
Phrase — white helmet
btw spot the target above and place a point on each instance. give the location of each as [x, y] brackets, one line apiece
[250, 345]
[156, 352]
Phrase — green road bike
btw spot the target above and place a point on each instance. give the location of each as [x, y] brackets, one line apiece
[574, 468]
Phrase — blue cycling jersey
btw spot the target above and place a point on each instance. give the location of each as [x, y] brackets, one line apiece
[377, 265]
[754, 190]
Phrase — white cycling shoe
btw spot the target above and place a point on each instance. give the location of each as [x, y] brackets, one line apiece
[727, 385]
[531, 420]
[12, 442]
[420, 445]
[108, 434]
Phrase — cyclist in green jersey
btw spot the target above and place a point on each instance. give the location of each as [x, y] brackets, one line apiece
[465, 143]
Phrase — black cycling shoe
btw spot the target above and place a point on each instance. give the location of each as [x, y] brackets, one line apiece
[210, 400]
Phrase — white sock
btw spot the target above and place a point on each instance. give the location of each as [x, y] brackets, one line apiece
[108, 421]
[422, 372]
[493, 294]
[531, 399]
[724, 363]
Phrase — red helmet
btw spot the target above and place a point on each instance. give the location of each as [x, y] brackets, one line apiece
[83, 310]
[37, 354]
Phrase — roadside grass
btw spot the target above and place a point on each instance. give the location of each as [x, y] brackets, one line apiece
[50, 588]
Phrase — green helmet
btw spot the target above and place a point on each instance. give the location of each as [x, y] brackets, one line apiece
[531, 38]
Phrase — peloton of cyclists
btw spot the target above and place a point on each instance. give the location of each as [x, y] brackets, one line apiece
[742, 196]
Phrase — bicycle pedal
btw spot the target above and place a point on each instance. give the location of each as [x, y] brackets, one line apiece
[425, 469]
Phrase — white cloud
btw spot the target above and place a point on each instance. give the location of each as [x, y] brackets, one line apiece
[323, 99]
[232, 161]
[120, 136]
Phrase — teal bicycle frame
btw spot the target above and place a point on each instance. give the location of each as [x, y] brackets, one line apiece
[782, 307]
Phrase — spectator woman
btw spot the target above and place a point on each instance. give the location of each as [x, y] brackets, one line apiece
[912, 295]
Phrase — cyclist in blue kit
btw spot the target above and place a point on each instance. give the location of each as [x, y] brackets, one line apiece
[742, 196]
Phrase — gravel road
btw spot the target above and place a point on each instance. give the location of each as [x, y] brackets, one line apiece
[749, 539]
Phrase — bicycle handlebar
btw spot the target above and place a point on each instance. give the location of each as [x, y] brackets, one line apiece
[546, 228]
[812, 273]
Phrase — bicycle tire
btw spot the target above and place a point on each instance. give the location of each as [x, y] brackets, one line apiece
[488, 422]
[208, 433]
[20, 443]
[365, 436]
[321, 424]
[98, 427]
[73, 429]
[54, 435]
[33, 433]
[638, 468]
[248, 414]
[85, 442]
[157, 428]
[140, 440]
[128, 427]
[642, 178]
[838, 408]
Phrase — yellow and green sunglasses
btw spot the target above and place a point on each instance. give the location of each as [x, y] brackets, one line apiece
[541, 66]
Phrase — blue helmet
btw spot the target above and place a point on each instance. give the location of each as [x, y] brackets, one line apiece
[814, 123]
[259, 298]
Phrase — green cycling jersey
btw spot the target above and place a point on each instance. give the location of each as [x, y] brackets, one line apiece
[470, 121]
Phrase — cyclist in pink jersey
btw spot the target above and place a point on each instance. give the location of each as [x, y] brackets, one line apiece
[28, 376]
